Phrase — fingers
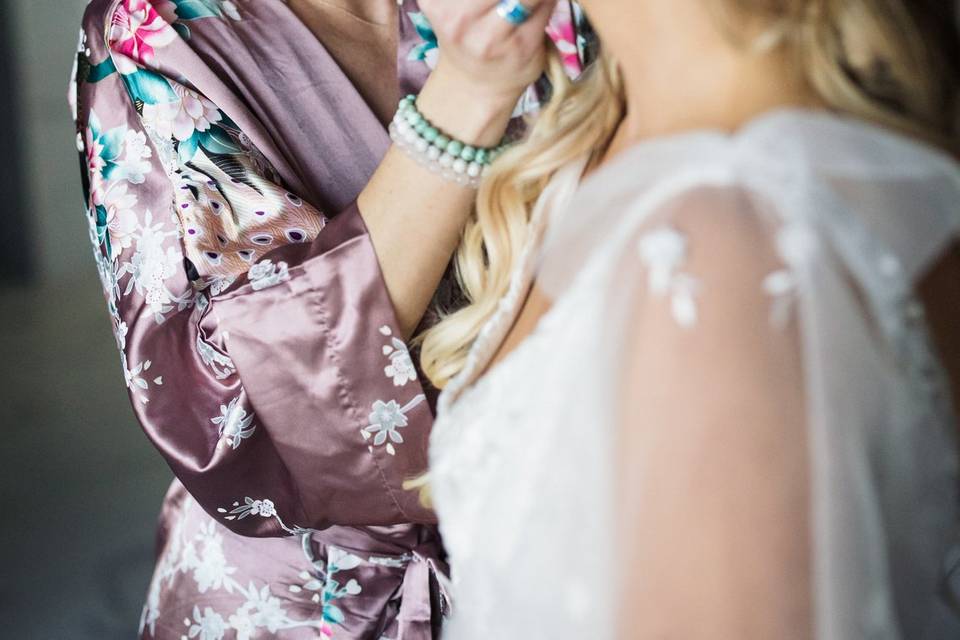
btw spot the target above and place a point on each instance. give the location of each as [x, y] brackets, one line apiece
[479, 21]
[503, 33]
[531, 33]
[502, 28]
[475, 42]
[454, 21]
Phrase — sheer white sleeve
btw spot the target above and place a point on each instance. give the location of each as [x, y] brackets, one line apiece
[711, 492]
[762, 389]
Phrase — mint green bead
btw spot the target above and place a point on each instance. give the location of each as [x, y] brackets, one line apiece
[413, 117]
[441, 142]
[454, 148]
[482, 156]
[468, 153]
[421, 127]
[430, 134]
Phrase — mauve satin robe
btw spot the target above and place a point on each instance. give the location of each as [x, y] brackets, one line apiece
[222, 150]
[218, 139]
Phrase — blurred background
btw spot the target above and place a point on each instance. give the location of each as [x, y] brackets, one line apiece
[80, 486]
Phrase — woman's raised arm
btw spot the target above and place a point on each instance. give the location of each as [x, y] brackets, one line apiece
[276, 384]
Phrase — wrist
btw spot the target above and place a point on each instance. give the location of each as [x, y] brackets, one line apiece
[465, 112]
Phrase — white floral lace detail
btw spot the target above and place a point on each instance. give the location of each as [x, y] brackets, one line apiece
[663, 251]
[781, 286]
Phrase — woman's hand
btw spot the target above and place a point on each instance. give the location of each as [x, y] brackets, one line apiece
[485, 65]
[414, 216]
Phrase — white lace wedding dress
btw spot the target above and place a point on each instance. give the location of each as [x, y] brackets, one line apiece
[734, 352]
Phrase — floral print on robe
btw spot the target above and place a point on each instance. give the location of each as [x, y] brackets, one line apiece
[222, 150]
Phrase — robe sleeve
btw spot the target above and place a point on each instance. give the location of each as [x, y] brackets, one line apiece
[279, 393]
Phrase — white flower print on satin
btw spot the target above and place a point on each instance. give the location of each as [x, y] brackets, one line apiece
[136, 157]
[218, 284]
[400, 369]
[663, 251]
[265, 274]
[153, 263]
[251, 507]
[183, 118]
[209, 564]
[202, 557]
[120, 331]
[136, 378]
[385, 420]
[221, 364]
[208, 625]
[235, 425]
[264, 508]
[120, 204]
[262, 610]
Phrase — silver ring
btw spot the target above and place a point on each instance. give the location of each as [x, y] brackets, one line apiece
[513, 11]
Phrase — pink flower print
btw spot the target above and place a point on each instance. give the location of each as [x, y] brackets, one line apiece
[136, 32]
[95, 165]
[563, 33]
[182, 119]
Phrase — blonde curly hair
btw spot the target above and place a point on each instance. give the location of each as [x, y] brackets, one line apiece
[893, 62]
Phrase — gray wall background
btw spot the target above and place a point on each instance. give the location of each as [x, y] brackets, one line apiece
[80, 487]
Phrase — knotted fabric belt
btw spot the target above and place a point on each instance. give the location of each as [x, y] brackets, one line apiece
[416, 615]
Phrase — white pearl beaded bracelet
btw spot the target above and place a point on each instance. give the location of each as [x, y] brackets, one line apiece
[431, 148]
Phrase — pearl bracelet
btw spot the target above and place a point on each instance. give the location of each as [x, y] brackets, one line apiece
[452, 159]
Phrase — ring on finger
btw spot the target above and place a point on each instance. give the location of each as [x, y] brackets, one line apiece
[513, 11]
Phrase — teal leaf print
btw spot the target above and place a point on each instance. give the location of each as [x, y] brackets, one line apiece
[187, 10]
[149, 87]
[214, 141]
[217, 140]
[426, 33]
[182, 29]
[333, 614]
[195, 9]
[186, 149]
[101, 225]
[422, 24]
[98, 72]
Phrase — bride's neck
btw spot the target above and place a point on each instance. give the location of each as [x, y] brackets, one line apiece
[682, 72]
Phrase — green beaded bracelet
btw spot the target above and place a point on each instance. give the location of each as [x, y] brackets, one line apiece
[454, 148]
[434, 137]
